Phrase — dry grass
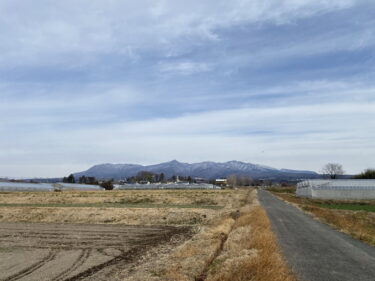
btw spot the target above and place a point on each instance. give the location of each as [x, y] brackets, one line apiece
[188, 260]
[134, 216]
[358, 224]
[228, 198]
[230, 249]
[251, 252]
[167, 201]
[192, 259]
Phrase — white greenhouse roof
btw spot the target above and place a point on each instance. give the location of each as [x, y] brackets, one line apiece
[337, 184]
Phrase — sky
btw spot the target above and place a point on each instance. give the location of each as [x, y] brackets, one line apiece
[288, 84]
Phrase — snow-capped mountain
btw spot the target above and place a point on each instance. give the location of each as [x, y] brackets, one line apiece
[207, 170]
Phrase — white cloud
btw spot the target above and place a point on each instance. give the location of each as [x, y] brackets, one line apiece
[293, 137]
[90, 101]
[73, 32]
[184, 68]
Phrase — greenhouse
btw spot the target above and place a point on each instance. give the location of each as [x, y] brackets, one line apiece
[337, 189]
[24, 186]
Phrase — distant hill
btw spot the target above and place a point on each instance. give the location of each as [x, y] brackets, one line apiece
[207, 170]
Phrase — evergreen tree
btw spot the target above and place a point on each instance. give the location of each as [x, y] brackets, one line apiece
[368, 174]
[69, 179]
[162, 177]
[82, 180]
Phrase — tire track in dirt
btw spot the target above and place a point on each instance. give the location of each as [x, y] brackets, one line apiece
[51, 255]
[119, 262]
[105, 253]
[77, 263]
[125, 257]
[96, 255]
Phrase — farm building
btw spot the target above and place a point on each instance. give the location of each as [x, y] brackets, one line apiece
[221, 182]
[337, 189]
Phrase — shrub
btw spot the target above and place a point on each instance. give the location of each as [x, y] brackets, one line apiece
[107, 185]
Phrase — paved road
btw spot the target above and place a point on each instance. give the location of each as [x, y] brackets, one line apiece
[315, 251]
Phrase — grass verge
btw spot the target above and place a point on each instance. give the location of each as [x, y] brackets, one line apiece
[351, 218]
[250, 252]
[289, 189]
[349, 206]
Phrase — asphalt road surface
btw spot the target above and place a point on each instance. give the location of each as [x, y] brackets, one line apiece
[314, 250]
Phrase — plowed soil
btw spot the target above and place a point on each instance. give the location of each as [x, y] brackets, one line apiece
[57, 252]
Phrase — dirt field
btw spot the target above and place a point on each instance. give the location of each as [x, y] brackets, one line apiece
[76, 252]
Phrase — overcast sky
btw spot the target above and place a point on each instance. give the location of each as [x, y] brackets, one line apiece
[288, 84]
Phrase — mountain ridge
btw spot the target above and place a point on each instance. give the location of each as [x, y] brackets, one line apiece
[206, 169]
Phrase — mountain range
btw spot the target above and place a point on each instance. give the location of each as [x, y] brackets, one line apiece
[206, 170]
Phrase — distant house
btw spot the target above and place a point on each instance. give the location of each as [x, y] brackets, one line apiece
[221, 182]
[143, 182]
[199, 180]
[337, 189]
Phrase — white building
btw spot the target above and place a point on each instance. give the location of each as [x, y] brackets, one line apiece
[337, 189]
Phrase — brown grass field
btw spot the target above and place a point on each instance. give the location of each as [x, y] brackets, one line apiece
[358, 224]
[133, 235]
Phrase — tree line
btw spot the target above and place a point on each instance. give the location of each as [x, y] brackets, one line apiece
[367, 174]
[146, 176]
[106, 184]
[81, 180]
[335, 170]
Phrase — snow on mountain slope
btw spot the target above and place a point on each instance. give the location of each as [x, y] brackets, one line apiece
[205, 169]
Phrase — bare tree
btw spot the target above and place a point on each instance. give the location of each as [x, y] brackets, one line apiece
[145, 176]
[333, 170]
[232, 180]
[244, 181]
[236, 180]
